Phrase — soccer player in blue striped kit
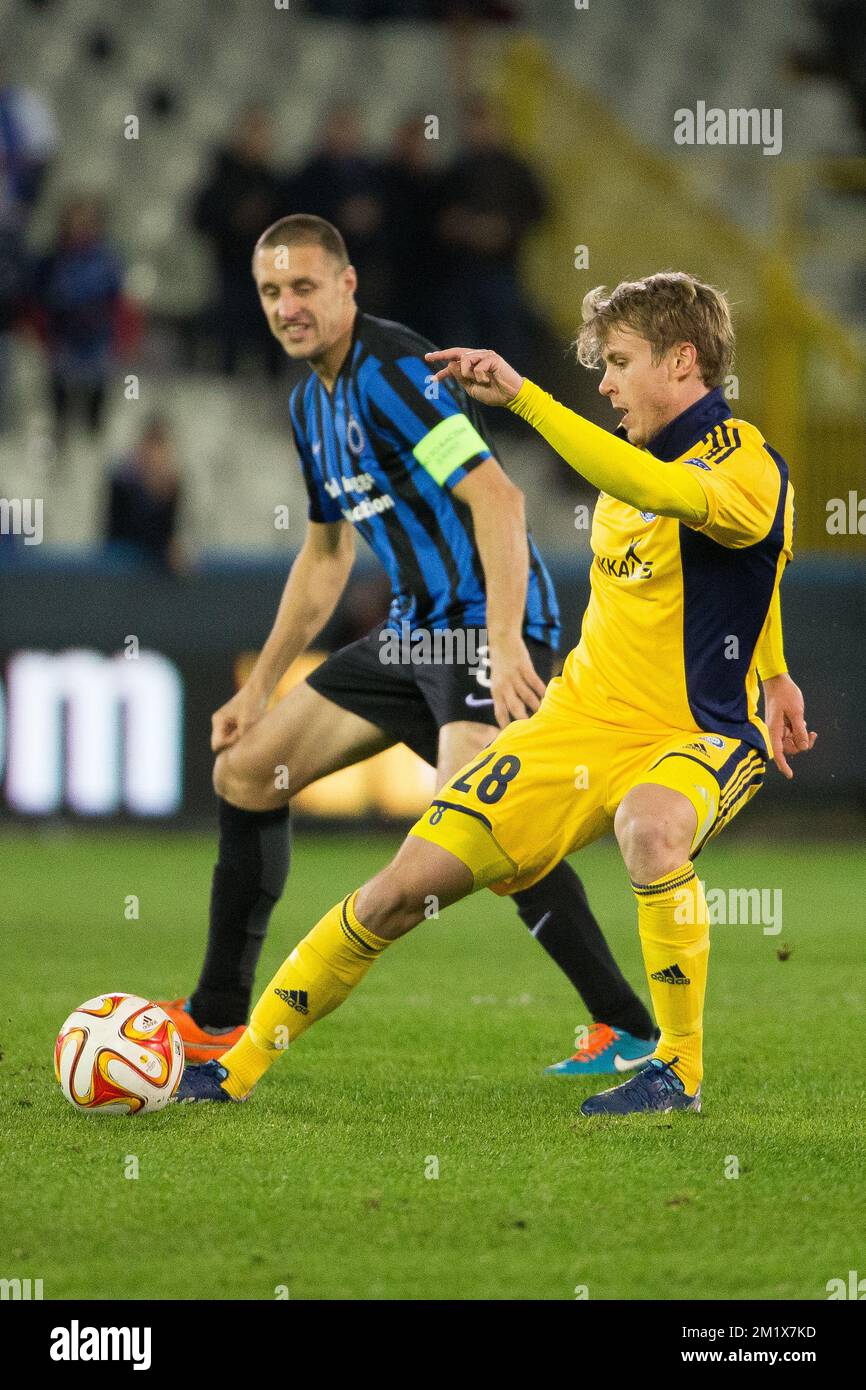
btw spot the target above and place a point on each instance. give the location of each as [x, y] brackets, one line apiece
[405, 462]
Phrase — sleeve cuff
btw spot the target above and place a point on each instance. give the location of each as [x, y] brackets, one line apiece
[521, 402]
[772, 673]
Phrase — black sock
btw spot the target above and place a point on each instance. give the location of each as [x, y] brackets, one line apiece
[248, 880]
[559, 916]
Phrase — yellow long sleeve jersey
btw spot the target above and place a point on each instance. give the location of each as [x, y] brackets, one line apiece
[690, 538]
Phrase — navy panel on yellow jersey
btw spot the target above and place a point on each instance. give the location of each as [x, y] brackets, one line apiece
[726, 587]
[385, 450]
[676, 611]
[726, 596]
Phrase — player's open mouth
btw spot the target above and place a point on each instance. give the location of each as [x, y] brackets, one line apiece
[296, 330]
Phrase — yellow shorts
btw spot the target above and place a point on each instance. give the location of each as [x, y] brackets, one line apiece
[548, 785]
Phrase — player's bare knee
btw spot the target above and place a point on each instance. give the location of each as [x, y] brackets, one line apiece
[654, 832]
[221, 775]
[389, 904]
[250, 789]
[229, 781]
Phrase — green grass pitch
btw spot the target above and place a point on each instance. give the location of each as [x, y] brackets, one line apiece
[320, 1185]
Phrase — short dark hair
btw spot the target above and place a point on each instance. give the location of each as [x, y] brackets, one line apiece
[303, 229]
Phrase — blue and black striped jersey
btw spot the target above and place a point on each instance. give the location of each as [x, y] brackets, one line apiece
[385, 449]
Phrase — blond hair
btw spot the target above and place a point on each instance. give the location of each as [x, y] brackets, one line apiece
[665, 309]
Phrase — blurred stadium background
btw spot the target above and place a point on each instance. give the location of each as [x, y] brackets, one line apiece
[488, 164]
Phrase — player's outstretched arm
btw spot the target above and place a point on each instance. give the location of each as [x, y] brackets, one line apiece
[316, 580]
[612, 465]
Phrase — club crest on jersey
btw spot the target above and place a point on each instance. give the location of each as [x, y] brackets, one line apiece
[714, 740]
[354, 436]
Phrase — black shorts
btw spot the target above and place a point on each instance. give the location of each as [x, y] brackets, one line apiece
[412, 700]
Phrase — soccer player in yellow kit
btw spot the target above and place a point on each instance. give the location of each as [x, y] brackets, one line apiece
[652, 729]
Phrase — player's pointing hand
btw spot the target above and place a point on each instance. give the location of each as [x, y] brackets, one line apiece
[484, 374]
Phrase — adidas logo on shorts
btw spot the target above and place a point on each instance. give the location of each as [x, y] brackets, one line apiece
[295, 998]
[671, 975]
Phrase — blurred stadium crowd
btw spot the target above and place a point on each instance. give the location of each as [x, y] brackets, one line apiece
[140, 156]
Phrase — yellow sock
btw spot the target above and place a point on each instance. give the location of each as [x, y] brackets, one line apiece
[316, 978]
[674, 934]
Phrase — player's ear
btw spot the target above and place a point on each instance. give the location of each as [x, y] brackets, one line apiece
[684, 359]
[350, 279]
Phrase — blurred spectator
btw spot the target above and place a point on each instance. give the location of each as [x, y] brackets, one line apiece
[242, 197]
[410, 212]
[14, 284]
[344, 184]
[77, 291]
[144, 498]
[27, 142]
[489, 201]
[843, 50]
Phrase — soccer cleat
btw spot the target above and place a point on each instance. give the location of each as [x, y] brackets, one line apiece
[200, 1044]
[655, 1088]
[203, 1082]
[606, 1052]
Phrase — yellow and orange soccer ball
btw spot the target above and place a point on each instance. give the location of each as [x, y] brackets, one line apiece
[118, 1054]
